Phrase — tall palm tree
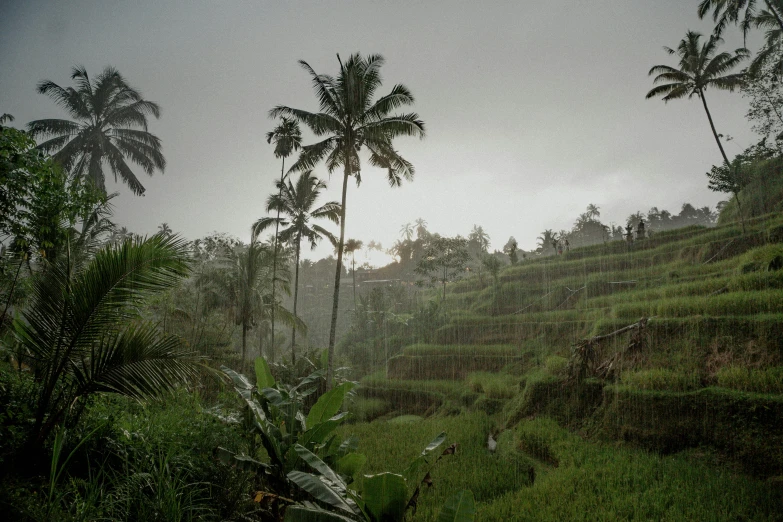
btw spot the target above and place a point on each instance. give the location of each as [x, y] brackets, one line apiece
[297, 202]
[351, 246]
[593, 211]
[700, 68]
[110, 127]
[351, 121]
[287, 138]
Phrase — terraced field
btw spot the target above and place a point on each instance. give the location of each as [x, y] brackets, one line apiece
[673, 345]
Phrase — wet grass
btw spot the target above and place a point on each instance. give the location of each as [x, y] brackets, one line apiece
[574, 479]
[598, 482]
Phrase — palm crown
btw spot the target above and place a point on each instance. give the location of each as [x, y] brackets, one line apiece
[700, 68]
[110, 127]
[352, 121]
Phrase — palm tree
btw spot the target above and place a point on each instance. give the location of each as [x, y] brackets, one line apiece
[700, 68]
[287, 138]
[480, 237]
[350, 120]
[406, 231]
[725, 12]
[6, 118]
[110, 126]
[593, 211]
[547, 238]
[242, 280]
[85, 335]
[164, 229]
[297, 202]
[421, 228]
[351, 246]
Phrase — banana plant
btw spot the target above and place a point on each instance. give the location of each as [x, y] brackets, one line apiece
[275, 415]
[384, 497]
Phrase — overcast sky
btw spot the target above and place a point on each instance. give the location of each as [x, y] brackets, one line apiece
[533, 109]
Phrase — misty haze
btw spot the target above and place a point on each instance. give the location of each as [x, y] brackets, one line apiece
[378, 262]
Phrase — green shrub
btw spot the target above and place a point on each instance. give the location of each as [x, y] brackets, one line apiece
[767, 380]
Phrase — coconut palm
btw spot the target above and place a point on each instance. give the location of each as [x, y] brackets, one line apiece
[164, 229]
[296, 202]
[287, 138]
[351, 246]
[547, 238]
[593, 211]
[421, 228]
[725, 12]
[480, 238]
[350, 121]
[84, 334]
[406, 231]
[110, 127]
[700, 68]
[6, 118]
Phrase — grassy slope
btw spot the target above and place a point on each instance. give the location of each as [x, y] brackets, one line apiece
[708, 377]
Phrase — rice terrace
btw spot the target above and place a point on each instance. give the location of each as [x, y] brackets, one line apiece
[314, 314]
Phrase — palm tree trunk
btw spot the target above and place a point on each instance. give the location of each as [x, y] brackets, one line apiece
[274, 258]
[353, 273]
[11, 293]
[244, 341]
[296, 295]
[723, 153]
[712, 125]
[444, 284]
[338, 273]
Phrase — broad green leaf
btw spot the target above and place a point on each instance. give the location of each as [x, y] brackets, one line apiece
[432, 446]
[317, 488]
[351, 464]
[458, 508]
[319, 432]
[328, 404]
[320, 466]
[264, 377]
[385, 496]
[305, 514]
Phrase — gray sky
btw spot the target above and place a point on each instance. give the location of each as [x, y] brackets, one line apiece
[533, 110]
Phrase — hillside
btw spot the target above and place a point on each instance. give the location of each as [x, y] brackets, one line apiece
[672, 342]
